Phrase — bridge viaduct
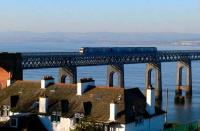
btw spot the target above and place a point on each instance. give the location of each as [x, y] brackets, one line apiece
[13, 64]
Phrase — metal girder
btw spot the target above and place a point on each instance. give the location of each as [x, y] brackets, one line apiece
[65, 59]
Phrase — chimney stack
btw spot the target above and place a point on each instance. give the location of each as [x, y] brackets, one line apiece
[9, 82]
[46, 81]
[43, 104]
[113, 111]
[83, 85]
[150, 100]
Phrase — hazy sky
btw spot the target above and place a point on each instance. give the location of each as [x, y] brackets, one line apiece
[100, 15]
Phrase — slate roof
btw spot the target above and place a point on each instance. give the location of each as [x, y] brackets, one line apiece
[99, 97]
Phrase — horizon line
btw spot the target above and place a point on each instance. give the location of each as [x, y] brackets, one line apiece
[100, 32]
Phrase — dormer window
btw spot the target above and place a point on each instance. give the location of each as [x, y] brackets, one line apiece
[87, 108]
[64, 106]
[13, 100]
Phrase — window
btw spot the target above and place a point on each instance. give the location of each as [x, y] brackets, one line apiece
[78, 116]
[55, 116]
[64, 106]
[14, 100]
[87, 107]
[5, 110]
[14, 122]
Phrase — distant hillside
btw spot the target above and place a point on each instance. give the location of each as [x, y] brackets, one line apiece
[104, 37]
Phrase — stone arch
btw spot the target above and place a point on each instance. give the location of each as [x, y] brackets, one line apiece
[115, 69]
[182, 72]
[158, 78]
[66, 79]
[4, 76]
[150, 76]
[68, 72]
[112, 79]
[186, 65]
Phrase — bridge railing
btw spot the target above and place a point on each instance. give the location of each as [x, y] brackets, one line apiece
[31, 54]
[179, 51]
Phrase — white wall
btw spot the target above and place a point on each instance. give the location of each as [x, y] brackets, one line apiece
[150, 100]
[153, 124]
[63, 125]
[4, 118]
[118, 127]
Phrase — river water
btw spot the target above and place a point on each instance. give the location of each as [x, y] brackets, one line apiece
[134, 74]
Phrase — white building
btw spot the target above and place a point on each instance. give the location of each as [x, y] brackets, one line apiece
[115, 109]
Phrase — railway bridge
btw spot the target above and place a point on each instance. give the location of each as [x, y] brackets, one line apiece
[13, 64]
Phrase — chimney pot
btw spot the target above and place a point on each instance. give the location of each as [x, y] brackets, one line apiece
[43, 104]
[9, 82]
[113, 111]
[46, 81]
[83, 85]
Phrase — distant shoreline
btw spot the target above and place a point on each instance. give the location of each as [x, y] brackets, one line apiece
[102, 37]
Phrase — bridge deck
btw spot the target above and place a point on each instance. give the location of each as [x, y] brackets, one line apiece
[63, 59]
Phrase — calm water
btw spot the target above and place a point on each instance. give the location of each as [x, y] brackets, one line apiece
[134, 74]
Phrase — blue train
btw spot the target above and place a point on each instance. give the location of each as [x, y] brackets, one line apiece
[116, 50]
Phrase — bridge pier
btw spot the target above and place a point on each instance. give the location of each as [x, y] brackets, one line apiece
[179, 85]
[70, 72]
[119, 70]
[158, 78]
